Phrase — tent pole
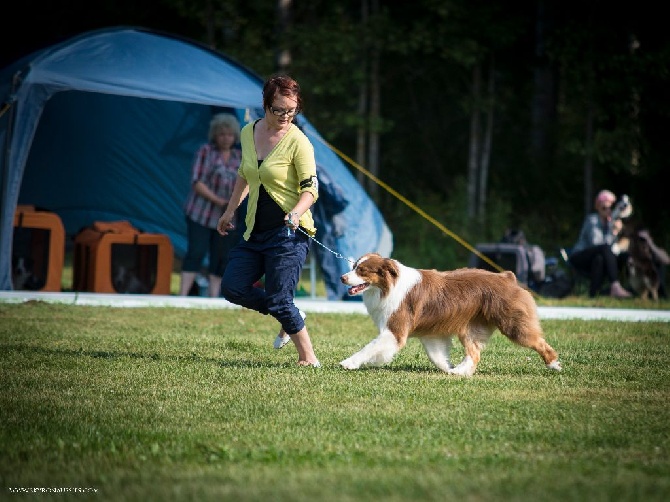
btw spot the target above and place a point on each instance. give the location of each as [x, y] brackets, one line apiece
[7, 220]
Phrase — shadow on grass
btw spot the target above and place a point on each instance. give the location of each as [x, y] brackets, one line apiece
[117, 355]
[392, 367]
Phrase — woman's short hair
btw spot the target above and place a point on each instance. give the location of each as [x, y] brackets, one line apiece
[604, 197]
[224, 120]
[284, 85]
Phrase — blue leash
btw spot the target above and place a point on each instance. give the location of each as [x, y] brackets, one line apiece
[337, 255]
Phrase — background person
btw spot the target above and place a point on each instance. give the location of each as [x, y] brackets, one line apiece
[278, 173]
[592, 254]
[212, 182]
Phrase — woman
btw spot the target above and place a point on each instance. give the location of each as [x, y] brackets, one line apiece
[278, 173]
[592, 254]
[212, 181]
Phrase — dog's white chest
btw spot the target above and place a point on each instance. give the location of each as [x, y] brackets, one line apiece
[381, 308]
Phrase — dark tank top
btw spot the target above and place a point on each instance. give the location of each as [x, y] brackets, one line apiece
[269, 214]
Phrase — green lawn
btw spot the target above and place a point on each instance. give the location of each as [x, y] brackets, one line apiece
[194, 404]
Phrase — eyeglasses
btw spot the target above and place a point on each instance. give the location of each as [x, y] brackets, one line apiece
[279, 112]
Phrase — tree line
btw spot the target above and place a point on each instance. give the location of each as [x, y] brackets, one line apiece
[487, 114]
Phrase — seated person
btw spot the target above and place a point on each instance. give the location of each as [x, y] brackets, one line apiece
[592, 255]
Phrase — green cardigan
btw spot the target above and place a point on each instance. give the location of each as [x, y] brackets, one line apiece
[287, 171]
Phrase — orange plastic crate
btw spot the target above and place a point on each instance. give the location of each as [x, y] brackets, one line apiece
[99, 269]
[46, 240]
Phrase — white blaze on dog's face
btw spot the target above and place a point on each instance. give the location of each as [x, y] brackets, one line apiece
[357, 283]
[376, 277]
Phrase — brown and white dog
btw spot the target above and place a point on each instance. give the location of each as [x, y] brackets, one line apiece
[435, 306]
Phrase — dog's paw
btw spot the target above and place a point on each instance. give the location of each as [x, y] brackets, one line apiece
[457, 372]
[464, 370]
[555, 365]
[348, 364]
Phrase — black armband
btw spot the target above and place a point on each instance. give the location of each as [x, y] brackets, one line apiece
[310, 182]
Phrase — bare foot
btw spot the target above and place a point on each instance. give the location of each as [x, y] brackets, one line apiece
[315, 364]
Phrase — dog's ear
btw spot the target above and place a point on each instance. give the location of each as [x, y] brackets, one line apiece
[388, 267]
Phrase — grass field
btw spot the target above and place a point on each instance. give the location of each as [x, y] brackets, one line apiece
[161, 404]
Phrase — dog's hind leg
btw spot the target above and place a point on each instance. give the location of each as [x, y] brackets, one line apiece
[438, 350]
[468, 365]
[522, 326]
[379, 351]
[532, 337]
[474, 340]
[546, 351]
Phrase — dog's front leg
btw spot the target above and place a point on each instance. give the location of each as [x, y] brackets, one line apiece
[438, 350]
[379, 351]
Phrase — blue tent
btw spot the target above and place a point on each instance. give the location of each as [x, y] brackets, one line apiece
[103, 127]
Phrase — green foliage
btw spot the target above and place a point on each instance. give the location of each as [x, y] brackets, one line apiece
[420, 243]
[194, 404]
[613, 62]
[543, 91]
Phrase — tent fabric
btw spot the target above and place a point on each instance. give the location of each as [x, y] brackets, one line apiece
[104, 126]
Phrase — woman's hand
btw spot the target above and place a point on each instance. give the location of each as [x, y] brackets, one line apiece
[292, 220]
[225, 223]
[617, 226]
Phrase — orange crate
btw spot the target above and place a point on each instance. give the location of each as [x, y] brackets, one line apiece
[123, 262]
[39, 238]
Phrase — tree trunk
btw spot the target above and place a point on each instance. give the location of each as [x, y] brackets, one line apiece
[374, 120]
[209, 28]
[542, 107]
[588, 139]
[361, 143]
[473, 157]
[636, 152]
[283, 55]
[588, 159]
[488, 140]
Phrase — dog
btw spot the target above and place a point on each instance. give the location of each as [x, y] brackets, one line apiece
[436, 306]
[125, 280]
[21, 272]
[643, 275]
[23, 277]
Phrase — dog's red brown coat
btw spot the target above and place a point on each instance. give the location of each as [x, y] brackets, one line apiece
[437, 305]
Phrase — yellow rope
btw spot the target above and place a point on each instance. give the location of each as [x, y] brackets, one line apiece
[414, 207]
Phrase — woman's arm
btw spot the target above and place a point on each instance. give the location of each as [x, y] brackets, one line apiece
[239, 193]
[206, 193]
[304, 203]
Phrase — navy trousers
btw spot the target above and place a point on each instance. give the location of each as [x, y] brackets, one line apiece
[279, 255]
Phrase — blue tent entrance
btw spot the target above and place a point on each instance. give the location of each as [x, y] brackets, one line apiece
[102, 127]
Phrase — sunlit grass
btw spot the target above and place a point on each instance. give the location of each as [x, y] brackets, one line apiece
[172, 404]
